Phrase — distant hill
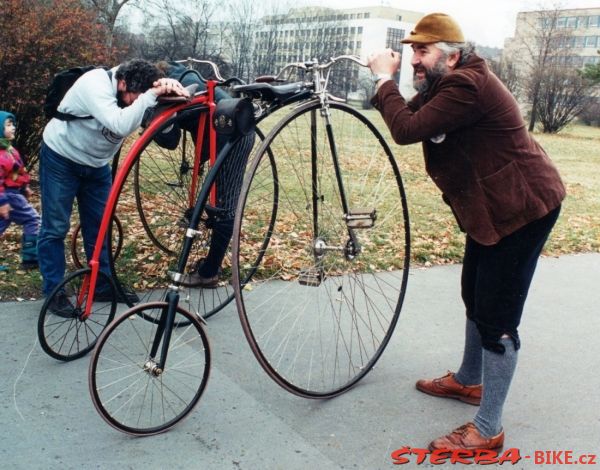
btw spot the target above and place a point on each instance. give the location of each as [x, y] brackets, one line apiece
[490, 53]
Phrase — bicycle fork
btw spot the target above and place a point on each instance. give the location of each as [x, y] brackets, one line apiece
[358, 218]
[164, 330]
[162, 336]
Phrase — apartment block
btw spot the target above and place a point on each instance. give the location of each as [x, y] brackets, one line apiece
[312, 32]
[573, 37]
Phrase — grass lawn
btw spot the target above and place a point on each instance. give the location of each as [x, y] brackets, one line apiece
[435, 235]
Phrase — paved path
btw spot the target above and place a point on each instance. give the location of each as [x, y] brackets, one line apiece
[245, 421]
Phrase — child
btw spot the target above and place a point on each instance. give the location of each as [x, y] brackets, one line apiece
[14, 192]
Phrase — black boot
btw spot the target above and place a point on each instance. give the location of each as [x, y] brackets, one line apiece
[29, 258]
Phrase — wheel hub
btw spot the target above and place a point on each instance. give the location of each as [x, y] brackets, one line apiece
[152, 368]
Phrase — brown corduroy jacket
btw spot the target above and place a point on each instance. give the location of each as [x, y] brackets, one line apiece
[492, 173]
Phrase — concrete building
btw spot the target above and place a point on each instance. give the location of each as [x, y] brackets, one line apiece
[316, 32]
[573, 37]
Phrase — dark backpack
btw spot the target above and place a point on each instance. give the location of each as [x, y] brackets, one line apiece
[58, 88]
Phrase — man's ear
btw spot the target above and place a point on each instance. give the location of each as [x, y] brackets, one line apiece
[121, 85]
[452, 60]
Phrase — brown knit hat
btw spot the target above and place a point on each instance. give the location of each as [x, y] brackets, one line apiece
[435, 27]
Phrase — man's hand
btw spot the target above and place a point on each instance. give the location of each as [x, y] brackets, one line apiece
[385, 61]
[4, 211]
[27, 192]
[169, 86]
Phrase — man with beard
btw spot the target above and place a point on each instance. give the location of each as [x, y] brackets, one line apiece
[75, 156]
[504, 191]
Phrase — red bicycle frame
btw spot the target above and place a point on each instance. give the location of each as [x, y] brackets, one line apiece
[208, 99]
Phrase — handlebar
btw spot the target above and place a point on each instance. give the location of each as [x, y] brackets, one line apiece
[189, 61]
[314, 64]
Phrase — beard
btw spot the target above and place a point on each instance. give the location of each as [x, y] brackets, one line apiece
[432, 74]
[120, 101]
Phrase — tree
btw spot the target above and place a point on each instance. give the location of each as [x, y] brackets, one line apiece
[41, 38]
[265, 43]
[505, 70]
[551, 82]
[241, 29]
[542, 48]
[180, 30]
[592, 73]
[563, 95]
[366, 89]
[107, 12]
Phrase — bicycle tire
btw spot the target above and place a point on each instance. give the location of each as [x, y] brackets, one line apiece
[163, 176]
[77, 250]
[129, 394]
[67, 339]
[318, 313]
[154, 169]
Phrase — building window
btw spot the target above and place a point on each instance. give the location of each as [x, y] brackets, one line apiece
[594, 22]
[572, 22]
[561, 22]
[579, 41]
[591, 60]
[399, 18]
[359, 30]
[367, 15]
[591, 41]
[393, 38]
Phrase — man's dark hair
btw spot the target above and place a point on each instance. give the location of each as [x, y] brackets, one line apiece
[139, 75]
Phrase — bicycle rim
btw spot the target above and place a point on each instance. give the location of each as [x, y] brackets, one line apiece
[67, 339]
[318, 312]
[77, 249]
[126, 388]
[150, 267]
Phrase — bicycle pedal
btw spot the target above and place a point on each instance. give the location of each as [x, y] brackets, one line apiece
[363, 217]
[311, 277]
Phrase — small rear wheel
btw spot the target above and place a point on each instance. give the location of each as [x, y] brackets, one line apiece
[166, 185]
[77, 249]
[129, 389]
[64, 332]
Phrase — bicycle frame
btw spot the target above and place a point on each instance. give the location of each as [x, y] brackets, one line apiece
[205, 99]
[319, 86]
[166, 322]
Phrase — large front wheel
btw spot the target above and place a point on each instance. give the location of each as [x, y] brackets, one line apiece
[322, 305]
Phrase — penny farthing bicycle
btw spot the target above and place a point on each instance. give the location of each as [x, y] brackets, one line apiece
[320, 266]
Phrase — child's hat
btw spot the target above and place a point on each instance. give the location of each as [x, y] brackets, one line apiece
[4, 115]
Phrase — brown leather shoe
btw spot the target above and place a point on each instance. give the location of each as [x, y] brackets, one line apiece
[448, 387]
[468, 437]
[196, 280]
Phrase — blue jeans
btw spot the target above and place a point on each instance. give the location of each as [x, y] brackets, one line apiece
[61, 181]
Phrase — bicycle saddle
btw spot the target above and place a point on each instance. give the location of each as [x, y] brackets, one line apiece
[270, 92]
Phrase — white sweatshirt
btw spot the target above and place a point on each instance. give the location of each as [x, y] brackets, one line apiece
[94, 142]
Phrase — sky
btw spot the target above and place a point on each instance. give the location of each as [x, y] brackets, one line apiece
[486, 22]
